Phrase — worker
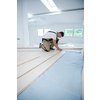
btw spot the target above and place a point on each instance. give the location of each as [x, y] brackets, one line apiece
[50, 39]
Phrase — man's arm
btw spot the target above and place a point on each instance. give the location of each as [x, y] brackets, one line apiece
[56, 45]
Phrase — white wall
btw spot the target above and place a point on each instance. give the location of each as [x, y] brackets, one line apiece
[82, 84]
[19, 24]
[35, 39]
[22, 23]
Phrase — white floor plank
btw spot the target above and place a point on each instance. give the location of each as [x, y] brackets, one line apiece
[26, 57]
[24, 68]
[24, 81]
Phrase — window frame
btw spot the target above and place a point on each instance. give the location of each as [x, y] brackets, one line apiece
[82, 32]
[43, 32]
[73, 32]
[68, 28]
[37, 32]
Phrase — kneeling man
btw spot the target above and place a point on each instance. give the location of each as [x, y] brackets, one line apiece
[50, 39]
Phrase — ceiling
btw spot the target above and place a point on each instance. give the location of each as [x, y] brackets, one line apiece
[43, 16]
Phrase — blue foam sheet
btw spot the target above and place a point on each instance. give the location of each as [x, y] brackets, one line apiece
[62, 81]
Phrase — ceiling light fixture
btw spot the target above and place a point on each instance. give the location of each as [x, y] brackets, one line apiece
[50, 5]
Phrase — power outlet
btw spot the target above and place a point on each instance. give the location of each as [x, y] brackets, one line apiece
[18, 38]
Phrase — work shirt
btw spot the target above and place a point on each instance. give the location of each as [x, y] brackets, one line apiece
[50, 35]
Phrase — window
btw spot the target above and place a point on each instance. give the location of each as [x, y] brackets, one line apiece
[40, 32]
[78, 32]
[68, 32]
[46, 30]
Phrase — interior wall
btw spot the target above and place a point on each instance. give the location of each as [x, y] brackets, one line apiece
[35, 39]
[19, 24]
[22, 24]
[82, 84]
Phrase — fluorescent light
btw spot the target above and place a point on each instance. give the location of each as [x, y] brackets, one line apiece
[50, 5]
[29, 15]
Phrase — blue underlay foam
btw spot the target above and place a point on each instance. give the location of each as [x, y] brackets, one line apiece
[62, 81]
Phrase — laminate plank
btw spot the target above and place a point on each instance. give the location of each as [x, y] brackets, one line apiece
[25, 68]
[27, 57]
[24, 81]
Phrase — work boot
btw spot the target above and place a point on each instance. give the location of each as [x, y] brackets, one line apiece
[46, 50]
[52, 49]
[40, 45]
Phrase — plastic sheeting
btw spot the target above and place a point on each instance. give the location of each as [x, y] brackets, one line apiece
[62, 81]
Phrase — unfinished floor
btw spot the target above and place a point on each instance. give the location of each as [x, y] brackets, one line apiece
[50, 75]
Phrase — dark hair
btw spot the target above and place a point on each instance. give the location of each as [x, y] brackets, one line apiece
[62, 33]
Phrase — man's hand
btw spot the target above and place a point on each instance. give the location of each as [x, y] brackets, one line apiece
[60, 49]
[56, 45]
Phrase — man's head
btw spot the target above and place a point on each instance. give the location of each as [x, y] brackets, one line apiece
[60, 34]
